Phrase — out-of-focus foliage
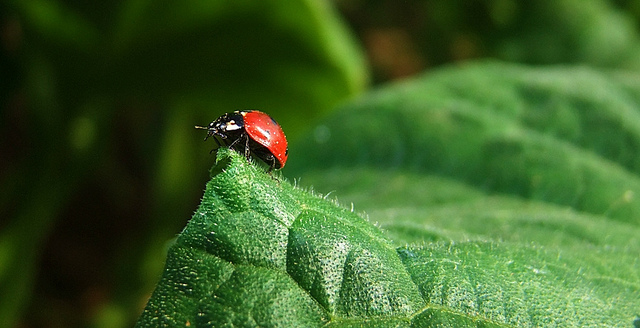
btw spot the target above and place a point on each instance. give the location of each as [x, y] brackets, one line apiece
[404, 37]
[98, 144]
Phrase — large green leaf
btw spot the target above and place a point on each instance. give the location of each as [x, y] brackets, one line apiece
[506, 197]
[487, 163]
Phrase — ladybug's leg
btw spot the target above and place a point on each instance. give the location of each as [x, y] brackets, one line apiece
[217, 142]
[233, 144]
[247, 150]
[209, 135]
[272, 163]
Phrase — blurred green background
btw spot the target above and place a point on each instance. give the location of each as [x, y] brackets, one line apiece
[100, 165]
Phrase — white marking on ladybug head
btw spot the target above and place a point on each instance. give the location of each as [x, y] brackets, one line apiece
[232, 126]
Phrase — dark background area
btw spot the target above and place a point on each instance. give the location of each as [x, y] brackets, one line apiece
[99, 163]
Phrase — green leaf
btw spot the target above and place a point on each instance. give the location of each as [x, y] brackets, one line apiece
[495, 212]
[259, 252]
[537, 134]
[517, 286]
[505, 158]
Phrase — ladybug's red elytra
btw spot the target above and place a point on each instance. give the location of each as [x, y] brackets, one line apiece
[250, 132]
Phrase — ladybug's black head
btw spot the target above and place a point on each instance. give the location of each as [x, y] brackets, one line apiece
[225, 127]
[227, 124]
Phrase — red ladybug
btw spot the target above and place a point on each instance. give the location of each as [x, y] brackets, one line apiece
[253, 133]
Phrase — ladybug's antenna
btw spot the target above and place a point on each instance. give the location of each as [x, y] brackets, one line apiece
[205, 128]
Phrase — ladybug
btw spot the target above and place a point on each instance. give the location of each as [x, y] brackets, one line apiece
[250, 132]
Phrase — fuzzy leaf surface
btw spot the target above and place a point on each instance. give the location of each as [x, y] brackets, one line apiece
[506, 197]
